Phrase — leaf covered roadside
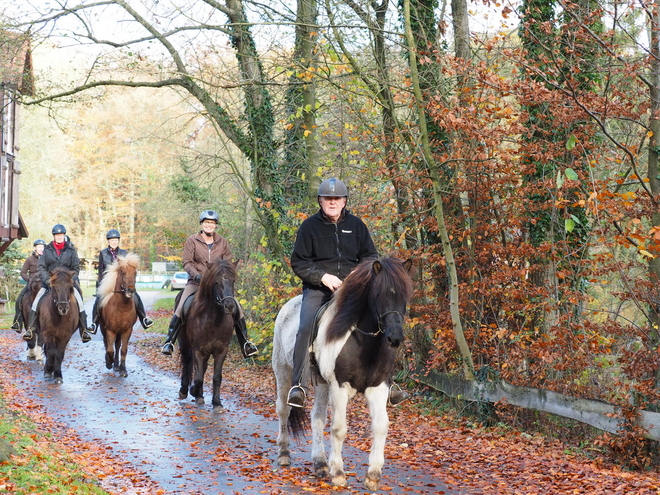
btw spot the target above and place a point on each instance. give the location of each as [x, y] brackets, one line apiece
[472, 460]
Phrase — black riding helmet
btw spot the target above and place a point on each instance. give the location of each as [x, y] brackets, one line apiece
[333, 188]
[112, 234]
[209, 215]
[59, 229]
[39, 242]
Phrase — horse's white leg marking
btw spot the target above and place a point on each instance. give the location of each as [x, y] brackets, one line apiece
[319, 420]
[377, 400]
[339, 400]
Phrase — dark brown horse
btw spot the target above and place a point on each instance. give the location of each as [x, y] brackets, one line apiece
[207, 331]
[35, 351]
[58, 320]
[116, 309]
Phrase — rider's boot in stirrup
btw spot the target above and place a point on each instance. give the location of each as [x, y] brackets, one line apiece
[397, 396]
[172, 334]
[32, 323]
[297, 396]
[83, 329]
[248, 349]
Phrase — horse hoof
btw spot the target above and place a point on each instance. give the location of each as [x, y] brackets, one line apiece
[339, 480]
[48, 375]
[123, 373]
[218, 408]
[31, 358]
[321, 470]
[372, 484]
[199, 401]
[183, 395]
[58, 380]
[284, 460]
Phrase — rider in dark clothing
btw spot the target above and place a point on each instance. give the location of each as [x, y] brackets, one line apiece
[329, 245]
[107, 257]
[58, 253]
[29, 269]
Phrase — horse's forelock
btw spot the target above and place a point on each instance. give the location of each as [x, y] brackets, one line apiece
[107, 287]
[205, 294]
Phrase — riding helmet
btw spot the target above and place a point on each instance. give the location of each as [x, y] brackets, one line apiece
[39, 242]
[59, 229]
[208, 215]
[333, 188]
[112, 234]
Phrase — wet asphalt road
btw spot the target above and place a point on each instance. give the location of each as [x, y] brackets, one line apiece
[182, 447]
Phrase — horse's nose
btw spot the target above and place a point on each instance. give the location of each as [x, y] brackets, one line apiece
[394, 341]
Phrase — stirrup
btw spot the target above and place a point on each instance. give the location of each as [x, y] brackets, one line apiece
[147, 322]
[29, 333]
[396, 395]
[249, 349]
[92, 329]
[167, 349]
[85, 336]
[291, 401]
[16, 327]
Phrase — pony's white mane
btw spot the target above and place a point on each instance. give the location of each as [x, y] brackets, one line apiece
[107, 287]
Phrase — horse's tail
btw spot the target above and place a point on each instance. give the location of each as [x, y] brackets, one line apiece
[298, 422]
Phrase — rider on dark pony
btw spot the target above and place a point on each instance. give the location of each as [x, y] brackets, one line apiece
[200, 249]
[29, 269]
[107, 257]
[58, 253]
[329, 245]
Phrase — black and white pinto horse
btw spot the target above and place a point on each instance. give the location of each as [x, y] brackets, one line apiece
[353, 351]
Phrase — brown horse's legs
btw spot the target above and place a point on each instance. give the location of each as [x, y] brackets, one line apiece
[218, 361]
[200, 364]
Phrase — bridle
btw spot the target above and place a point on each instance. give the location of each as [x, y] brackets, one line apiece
[379, 322]
[220, 301]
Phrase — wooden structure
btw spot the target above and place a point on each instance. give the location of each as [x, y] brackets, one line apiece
[16, 79]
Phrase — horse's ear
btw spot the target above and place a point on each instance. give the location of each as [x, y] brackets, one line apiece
[408, 265]
[377, 267]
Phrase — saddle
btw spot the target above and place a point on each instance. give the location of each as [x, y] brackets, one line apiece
[185, 309]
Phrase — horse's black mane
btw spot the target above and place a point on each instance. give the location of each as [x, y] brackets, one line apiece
[61, 275]
[365, 286]
[205, 297]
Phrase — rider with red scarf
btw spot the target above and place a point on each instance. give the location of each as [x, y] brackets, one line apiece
[58, 253]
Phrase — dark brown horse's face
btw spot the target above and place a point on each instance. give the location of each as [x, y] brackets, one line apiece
[61, 289]
[224, 294]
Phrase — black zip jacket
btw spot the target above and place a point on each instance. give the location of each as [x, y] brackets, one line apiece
[106, 259]
[68, 258]
[324, 247]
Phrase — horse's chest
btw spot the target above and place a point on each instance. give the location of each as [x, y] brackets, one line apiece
[363, 368]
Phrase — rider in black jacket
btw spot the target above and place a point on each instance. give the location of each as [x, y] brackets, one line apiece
[328, 246]
[58, 253]
[107, 257]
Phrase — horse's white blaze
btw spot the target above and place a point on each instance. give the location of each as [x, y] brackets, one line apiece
[107, 288]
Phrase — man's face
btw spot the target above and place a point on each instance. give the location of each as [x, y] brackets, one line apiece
[58, 238]
[332, 206]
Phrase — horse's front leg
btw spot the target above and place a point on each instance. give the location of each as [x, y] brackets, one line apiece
[200, 364]
[218, 361]
[339, 399]
[319, 420]
[115, 363]
[124, 351]
[377, 400]
[109, 339]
